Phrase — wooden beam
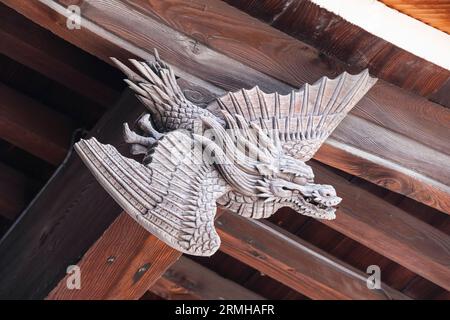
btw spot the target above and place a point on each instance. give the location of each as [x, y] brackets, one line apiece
[123, 264]
[442, 95]
[127, 260]
[34, 127]
[231, 32]
[13, 192]
[389, 230]
[188, 280]
[358, 48]
[63, 222]
[385, 111]
[294, 262]
[42, 51]
[48, 238]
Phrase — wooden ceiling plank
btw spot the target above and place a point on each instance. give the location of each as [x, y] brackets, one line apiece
[123, 264]
[34, 127]
[425, 12]
[49, 55]
[228, 30]
[188, 280]
[294, 262]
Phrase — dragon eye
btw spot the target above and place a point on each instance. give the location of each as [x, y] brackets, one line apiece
[300, 180]
[327, 193]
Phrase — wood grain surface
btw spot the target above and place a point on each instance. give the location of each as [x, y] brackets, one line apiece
[123, 264]
[436, 13]
[65, 219]
[188, 280]
[294, 262]
[349, 43]
[34, 127]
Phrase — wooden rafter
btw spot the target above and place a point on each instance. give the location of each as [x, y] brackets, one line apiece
[13, 191]
[187, 279]
[232, 33]
[123, 264]
[48, 239]
[38, 49]
[294, 262]
[229, 31]
[126, 261]
[389, 230]
[34, 127]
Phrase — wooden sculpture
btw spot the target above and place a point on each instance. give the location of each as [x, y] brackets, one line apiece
[246, 152]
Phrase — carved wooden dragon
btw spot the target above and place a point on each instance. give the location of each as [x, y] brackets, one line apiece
[253, 147]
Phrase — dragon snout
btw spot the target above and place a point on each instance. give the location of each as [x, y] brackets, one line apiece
[326, 195]
[329, 202]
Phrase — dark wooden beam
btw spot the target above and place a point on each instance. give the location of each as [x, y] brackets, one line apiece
[442, 95]
[14, 187]
[39, 49]
[188, 280]
[412, 122]
[123, 264]
[389, 230]
[34, 127]
[63, 222]
[294, 262]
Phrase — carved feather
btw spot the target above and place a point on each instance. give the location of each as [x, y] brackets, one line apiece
[304, 118]
[155, 85]
[174, 196]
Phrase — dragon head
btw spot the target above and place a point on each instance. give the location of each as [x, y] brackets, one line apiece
[254, 164]
[291, 184]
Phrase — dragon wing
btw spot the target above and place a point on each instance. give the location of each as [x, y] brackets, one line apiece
[155, 85]
[304, 118]
[173, 196]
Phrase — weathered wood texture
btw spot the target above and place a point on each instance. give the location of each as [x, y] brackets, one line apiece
[83, 111]
[127, 260]
[46, 53]
[188, 280]
[433, 12]
[387, 110]
[360, 256]
[67, 217]
[34, 127]
[123, 264]
[14, 191]
[351, 44]
[389, 230]
[294, 262]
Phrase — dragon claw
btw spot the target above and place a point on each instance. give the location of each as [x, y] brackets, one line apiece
[139, 144]
[145, 125]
